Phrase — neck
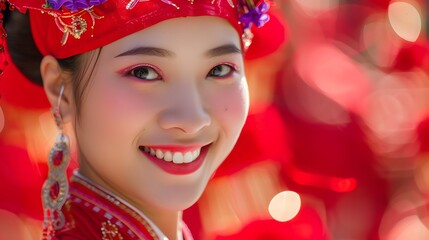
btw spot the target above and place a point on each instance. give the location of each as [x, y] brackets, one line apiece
[168, 222]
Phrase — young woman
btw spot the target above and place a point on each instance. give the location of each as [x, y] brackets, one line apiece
[156, 94]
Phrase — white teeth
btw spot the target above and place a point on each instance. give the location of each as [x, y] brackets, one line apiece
[168, 156]
[188, 157]
[159, 154]
[178, 157]
[175, 157]
[196, 153]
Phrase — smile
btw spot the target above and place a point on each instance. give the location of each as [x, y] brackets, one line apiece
[177, 160]
[172, 156]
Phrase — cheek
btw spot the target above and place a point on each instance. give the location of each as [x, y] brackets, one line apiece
[230, 106]
[233, 106]
[103, 111]
[114, 114]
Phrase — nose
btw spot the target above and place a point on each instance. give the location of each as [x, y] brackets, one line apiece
[186, 110]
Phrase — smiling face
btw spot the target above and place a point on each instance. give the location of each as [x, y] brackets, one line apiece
[163, 109]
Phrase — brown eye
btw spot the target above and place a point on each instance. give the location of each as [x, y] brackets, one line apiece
[221, 71]
[145, 73]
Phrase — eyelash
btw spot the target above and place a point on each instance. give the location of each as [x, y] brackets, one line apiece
[128, 72]
[233, 69]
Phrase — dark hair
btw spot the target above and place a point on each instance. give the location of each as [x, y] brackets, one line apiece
[23, 50]
[27, 57]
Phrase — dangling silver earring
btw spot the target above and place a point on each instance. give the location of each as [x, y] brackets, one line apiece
[55, 189]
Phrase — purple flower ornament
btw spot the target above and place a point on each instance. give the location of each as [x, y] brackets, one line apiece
[257, 16]
[73, 5]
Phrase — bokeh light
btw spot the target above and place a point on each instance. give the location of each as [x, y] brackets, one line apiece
[410, 226]
[405, 19]
[380, 41]
[339, 78]
[15, 227]
[285, 206]
[311, 6]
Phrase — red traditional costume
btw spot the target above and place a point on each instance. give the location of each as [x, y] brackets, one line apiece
[65, 28]
[92, 212]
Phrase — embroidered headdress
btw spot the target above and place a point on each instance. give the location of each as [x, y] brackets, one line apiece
[64, 28]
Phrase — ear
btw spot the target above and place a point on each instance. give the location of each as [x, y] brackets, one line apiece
[53, 79]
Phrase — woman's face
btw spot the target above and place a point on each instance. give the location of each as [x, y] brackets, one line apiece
[163, 109]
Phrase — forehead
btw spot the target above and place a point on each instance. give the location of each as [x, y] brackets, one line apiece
[181, 34]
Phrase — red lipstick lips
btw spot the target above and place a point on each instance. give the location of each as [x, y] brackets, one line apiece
[177, 160]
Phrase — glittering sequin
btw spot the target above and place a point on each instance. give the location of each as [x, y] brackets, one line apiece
[110, 231]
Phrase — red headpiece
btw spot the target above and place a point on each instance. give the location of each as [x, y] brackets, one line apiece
[65, 28]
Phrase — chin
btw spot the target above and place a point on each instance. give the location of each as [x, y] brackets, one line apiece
[179, 200]
[174, 204]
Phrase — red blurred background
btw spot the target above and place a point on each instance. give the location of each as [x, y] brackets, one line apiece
[336, 145]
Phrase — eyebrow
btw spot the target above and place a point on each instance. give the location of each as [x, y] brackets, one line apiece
[160, 52]
[149, 51]
[223, 50]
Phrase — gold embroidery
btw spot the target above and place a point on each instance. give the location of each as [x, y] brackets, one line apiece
[73, 23]
[119, 204]
[133, 3]
[110, 231]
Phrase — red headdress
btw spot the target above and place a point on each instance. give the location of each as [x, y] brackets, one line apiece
[65, 28]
